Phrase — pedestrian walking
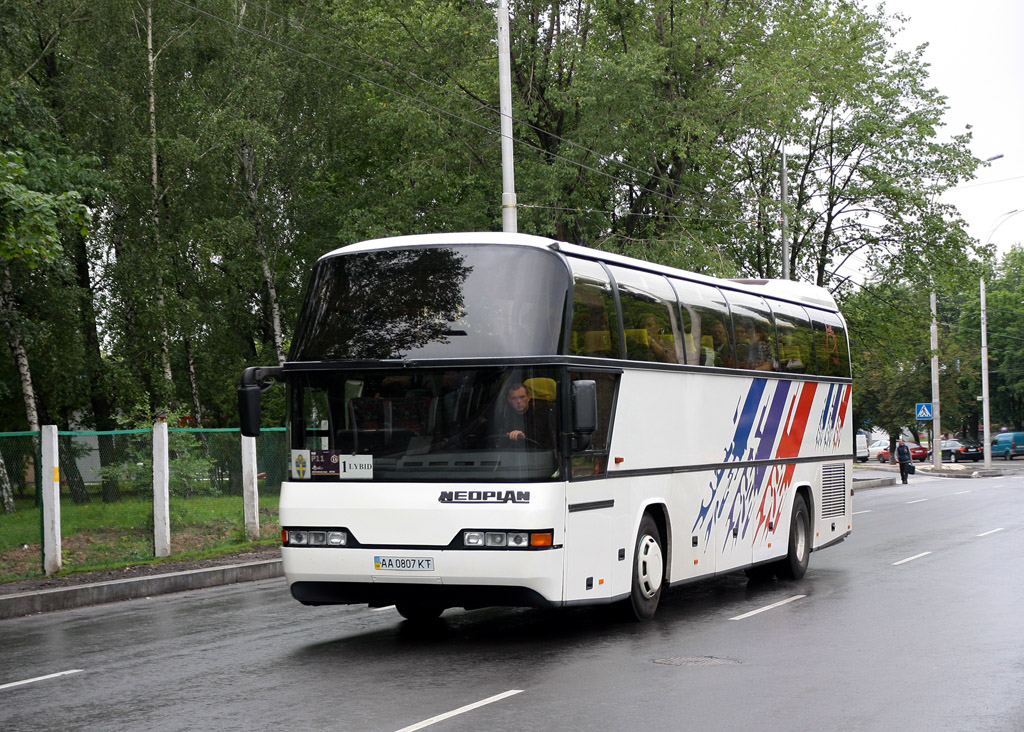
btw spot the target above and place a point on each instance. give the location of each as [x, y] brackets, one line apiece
[904, 458]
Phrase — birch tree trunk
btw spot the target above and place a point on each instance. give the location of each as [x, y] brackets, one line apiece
[248, 158]
[151, 56]
[8, 313]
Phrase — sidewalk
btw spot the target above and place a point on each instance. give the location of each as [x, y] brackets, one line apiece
[47, 594]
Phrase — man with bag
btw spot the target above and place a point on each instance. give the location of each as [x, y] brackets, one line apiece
[905, 460]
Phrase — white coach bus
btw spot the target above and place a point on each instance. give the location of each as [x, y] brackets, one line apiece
[501, 419]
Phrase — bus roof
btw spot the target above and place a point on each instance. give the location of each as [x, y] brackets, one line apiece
[802, 293]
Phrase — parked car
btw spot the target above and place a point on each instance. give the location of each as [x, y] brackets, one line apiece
[876, 447]
[916, 453]
[960, 450]
[1008, 445]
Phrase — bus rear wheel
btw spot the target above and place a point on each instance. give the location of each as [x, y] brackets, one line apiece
[794, 566]
[417, 612]
[648, 571]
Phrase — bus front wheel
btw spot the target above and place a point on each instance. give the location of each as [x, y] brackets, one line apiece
[795, 564]
[648, 571]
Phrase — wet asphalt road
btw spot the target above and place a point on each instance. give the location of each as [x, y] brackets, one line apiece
[914, 623]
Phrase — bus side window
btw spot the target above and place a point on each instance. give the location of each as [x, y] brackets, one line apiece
[830, 344]
[593, 462]
[755, 332]
[595, 327]
[796, 350]
[649, 316]
[704, 315]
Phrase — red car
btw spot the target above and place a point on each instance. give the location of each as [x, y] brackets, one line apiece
[916, 452]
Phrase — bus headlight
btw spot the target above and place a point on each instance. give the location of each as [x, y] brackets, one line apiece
[297, 538]
[315, 537]
[495, 538]
[475, 539]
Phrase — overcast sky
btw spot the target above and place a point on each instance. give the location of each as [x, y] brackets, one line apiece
[976, 52]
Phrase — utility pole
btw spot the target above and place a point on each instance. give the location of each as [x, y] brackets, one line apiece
[936, 420]
[508, 177]
[785, 218]
[984, 380]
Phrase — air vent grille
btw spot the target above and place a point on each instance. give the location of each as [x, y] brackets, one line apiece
[833, 490]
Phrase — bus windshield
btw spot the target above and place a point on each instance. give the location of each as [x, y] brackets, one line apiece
[433, 302]
[457, 424]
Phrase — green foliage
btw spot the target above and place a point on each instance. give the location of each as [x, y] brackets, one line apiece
[264, 135]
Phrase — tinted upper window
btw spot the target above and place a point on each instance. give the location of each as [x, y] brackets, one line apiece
[595, 321]
[441, 302]
[649, 316]
[830, 345]
[754, 331]
[705, 322]
[796, 339]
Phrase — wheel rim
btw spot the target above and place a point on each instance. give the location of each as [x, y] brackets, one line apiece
[650, 566]
[800, 538]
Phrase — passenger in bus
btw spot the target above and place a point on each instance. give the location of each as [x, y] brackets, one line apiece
[525, 421]
[761, 352]
[717, 352]
[657, 349]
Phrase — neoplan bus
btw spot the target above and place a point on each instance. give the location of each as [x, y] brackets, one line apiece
[677, 426]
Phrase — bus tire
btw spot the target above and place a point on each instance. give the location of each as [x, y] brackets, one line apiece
[794, 566]
[648, 571]
[417, 612]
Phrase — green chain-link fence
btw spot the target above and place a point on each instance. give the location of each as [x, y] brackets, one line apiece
[106, 496]
[20, 529]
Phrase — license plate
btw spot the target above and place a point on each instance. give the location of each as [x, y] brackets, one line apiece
[404, 564]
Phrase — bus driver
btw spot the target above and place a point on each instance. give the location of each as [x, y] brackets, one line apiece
[525, 420]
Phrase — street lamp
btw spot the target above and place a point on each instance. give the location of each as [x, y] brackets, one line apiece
[987, 444]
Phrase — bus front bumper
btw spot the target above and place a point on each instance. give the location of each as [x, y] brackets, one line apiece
[466, 578]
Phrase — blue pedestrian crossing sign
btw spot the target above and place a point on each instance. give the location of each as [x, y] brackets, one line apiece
[924, 410]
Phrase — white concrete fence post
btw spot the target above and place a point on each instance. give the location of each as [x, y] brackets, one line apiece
[161, 492]
[51, 500]
[250, 491]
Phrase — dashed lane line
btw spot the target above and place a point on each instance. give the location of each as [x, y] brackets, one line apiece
[40, 678]
[769, 607]
[910, 559]
[460, 710]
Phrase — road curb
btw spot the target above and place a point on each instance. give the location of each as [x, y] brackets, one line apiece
[66, 598]
[875, 483]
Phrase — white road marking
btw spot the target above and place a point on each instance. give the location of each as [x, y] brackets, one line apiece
[41, 678]
[382, 609]
[769, 607]
[960, 493]
[856, 513]
[919, 500]
[911, 559]
[460, 710]
[987, 533]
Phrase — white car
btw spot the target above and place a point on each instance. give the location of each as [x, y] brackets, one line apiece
[876, 447]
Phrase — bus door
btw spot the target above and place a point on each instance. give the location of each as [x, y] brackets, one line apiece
[590, 557]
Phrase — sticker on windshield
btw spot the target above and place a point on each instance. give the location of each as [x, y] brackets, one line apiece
[334, 464]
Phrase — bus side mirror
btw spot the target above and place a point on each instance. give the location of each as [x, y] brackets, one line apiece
[584, 413]
[255, 379]
[249, 410]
